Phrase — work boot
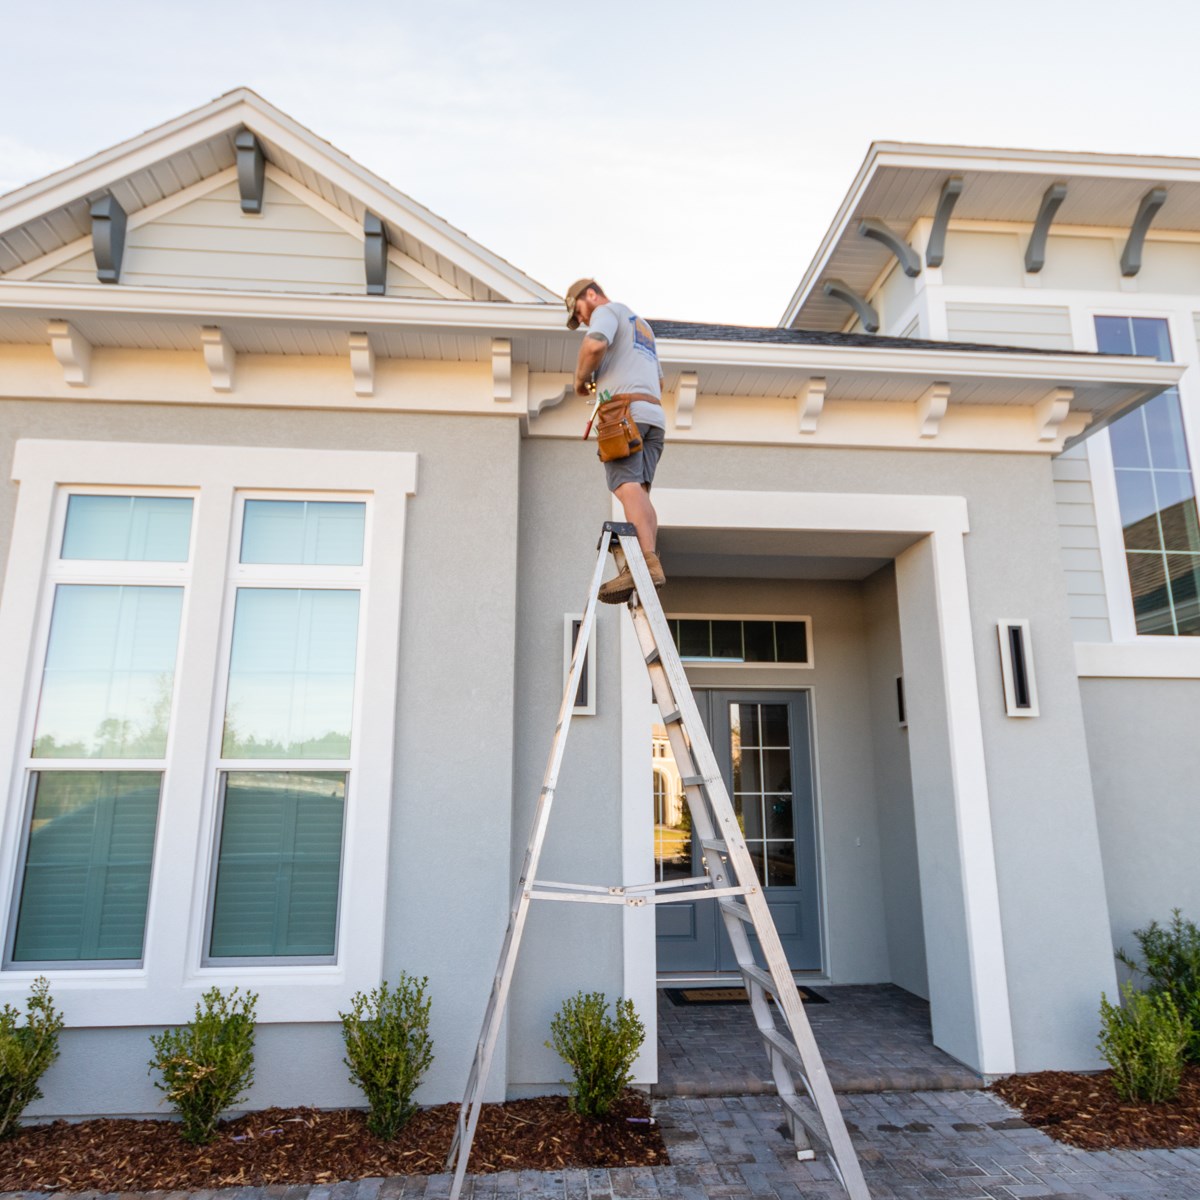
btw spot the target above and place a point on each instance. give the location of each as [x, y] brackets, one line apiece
[656, 572]
[618, 590]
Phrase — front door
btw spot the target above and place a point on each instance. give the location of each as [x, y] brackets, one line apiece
[763, 744]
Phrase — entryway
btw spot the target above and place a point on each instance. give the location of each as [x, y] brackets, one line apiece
[763, 743]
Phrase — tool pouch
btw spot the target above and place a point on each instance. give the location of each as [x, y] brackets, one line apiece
[617, 433]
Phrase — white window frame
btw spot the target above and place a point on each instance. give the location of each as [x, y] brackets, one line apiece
[588, 707]
[166, 987]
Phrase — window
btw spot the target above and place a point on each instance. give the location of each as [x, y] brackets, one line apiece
[104, 707]
[1155, 491]
[289, 706]
[783, 641]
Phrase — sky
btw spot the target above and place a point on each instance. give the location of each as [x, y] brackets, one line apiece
[689, 155]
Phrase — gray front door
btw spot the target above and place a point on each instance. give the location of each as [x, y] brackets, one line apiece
[763, 744]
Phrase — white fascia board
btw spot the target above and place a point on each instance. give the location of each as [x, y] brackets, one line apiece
[244, 107]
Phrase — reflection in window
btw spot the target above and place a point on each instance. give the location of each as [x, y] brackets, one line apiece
[1155, 490]
[761, 747]
[128, 528]
[731, 641]
[110, 672]
[672, 818]
[279, 864]
[87, 866]
[291, 674]
[303, 532]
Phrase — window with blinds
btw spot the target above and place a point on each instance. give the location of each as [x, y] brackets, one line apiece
[95, 762]
[286, 740]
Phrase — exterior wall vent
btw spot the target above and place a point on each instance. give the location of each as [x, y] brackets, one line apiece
[1016, 665]
[585, 697]
[901, 709]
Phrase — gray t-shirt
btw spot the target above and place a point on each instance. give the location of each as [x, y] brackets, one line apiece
[631, 362]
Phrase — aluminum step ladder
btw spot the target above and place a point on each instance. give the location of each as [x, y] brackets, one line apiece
[812, 1113]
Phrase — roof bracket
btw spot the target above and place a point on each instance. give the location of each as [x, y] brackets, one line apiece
[73, 351]
[502, 364]
[251, 171]
[375, 254]
[1131, 257]
[362, 364]
[685, 399]
[935, 250]
[219, 357]
[108, 237]
[931, 408]
[809, 402]
[1035, 252]
[836, 289]
[905, 254]
[1050, 412]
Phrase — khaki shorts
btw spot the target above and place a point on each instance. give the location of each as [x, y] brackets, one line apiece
[639, 467]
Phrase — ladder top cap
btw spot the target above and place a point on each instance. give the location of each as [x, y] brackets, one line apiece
[620, 528]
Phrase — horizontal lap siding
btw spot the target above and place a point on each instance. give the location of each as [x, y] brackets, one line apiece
[1047, 327]
[211, 243]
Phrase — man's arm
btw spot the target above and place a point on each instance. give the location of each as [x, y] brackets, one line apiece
[591, 353]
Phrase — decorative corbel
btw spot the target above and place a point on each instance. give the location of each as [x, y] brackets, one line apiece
[73, 351]
[362, 364]
[685, 399]
[1035, 252]
[809, 402]
[548, 391]
[931, 408]
[502, 370]
[1050, 412]
[836, 289]
[905, 255]
[219, 357]
[935, 250]
[1131, 257]
[251, 171]
[108, 237]
[375, 254]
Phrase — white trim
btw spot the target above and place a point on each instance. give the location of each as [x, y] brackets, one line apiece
[1142, 658]
[165, 989]
[588, 708]
[943, 520]
[1008, 668]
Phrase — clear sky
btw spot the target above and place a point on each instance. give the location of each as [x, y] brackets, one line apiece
[690, 155]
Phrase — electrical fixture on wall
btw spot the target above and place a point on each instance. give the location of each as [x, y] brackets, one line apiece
[1016, 665]
[585, 697]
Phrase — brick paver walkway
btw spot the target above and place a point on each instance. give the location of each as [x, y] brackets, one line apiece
[872, 1039]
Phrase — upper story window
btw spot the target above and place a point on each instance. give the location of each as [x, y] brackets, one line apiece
[1156, 491]
[702, 640]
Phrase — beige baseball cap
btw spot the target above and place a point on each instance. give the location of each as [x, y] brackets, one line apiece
[573, 293]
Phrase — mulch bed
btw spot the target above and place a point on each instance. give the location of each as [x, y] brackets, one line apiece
[306, 1145]
[1085, 1111]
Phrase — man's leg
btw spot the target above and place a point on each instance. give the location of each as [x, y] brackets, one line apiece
[639, 512]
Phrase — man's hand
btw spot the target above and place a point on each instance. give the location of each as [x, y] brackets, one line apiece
[591, 352]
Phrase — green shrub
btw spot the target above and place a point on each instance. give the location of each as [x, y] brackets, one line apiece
[1144, 1042]
[207, 1066]
[25, 1053]
[388, 1049]
[1171, 958]
[600, 1049]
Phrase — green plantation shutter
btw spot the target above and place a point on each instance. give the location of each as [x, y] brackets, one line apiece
[280, 864]
[87, 868]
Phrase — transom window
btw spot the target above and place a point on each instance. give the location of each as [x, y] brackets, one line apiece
[717, 640]
[1156, 491]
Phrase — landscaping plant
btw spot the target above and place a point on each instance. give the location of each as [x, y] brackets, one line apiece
[388, 1050]
[1171, 962]
[207, 1066]
[599, 1048]
[25, 1053]
[1143, 1040]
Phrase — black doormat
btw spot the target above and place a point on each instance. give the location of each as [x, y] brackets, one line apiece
[729, 995]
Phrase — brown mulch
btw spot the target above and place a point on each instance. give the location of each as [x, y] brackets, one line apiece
[306, 1145]
[1085, 1111]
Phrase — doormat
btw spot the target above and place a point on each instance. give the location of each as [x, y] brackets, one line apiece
[729, 995]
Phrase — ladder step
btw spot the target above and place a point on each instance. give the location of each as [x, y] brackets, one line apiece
[672, 718]
[717, 844]
[785, 1048]
[694, 781]
[736, 909]
[753, 974]
[653, 656]
[798, 1114]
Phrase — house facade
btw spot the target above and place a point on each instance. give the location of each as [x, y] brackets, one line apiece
[296, 520]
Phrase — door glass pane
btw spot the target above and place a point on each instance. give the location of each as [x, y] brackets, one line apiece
[303, 532]
[762, 785]
[779, 817]
[775, 725]
[781, 864]
[291, 673]
[777, 770]
[110, 672]
[87, 866]
[128, 528]
[279, 864]
[672, 818]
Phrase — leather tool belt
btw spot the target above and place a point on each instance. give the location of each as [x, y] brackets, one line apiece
[617, 434]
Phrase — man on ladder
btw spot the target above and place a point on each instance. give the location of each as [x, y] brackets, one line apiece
[618, 363]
